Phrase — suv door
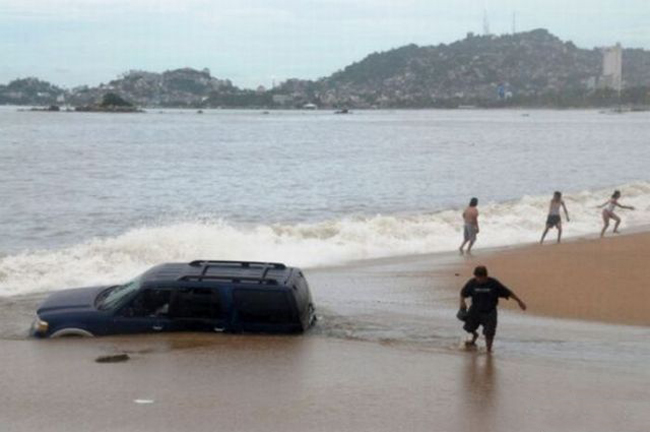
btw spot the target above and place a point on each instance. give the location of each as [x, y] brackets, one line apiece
[198, 309]
[147, 312]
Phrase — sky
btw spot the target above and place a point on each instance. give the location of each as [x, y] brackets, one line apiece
[259, 42]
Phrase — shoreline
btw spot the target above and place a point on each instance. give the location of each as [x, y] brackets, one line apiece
[504, 263]
[628, 109]
[451, 270]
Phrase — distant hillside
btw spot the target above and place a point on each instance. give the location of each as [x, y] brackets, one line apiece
[175, 88]
[30, 91]
[532, 68]
[527, 65]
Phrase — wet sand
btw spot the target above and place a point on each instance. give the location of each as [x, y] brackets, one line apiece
[385, 356]
[596, 279]
[252, 383]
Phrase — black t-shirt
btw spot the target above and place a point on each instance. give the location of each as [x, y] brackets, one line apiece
[485, 296]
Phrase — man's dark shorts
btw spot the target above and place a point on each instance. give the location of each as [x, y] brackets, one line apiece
[553, 221]
[486, 319]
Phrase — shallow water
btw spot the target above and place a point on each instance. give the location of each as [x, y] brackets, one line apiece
[411, 303]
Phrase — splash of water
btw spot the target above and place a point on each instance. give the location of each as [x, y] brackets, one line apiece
[115, 259]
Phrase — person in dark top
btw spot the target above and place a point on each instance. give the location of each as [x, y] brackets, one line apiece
[485, 293]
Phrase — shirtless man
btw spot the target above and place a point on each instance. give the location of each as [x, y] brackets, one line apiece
[470, 229]
[554, 219]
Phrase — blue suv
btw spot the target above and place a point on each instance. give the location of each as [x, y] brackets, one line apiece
[200, 296]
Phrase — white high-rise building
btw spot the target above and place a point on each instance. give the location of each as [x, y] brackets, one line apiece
[612, 76]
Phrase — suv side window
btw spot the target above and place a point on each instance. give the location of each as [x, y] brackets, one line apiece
[263, 307]
[153, 302]
[197, 303]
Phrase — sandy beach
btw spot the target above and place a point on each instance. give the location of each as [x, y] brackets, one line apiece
[597, 279]
[386, 355]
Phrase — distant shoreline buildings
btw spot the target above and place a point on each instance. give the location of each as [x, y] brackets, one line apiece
[612, 76]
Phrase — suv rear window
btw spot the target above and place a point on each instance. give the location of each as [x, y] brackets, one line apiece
[257, 306]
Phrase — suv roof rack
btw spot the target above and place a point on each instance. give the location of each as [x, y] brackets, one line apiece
[234, 279]
[205, 265]
[244, 264]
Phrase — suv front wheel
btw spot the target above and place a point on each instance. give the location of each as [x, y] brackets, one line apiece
[71, 332]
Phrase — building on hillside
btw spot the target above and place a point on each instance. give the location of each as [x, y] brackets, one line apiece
[612, 76]
[281, 99]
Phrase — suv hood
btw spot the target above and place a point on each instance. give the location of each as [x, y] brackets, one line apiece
[78, 298]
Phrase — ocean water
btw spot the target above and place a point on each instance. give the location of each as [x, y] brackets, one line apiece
[97, 198]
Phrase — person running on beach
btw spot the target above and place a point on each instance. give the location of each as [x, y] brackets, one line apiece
[608, 212]
[470, 229]
[554, 219]
[485, 293]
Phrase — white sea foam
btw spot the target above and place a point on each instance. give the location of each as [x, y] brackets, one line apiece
[108, 260]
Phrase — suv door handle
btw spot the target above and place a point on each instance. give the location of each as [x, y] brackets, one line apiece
[157, 327]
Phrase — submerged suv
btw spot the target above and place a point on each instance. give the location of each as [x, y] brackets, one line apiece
[212, 296]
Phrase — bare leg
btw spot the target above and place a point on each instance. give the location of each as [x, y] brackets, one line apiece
[462, 246]
[559, 233]
[606, 224]
[473, 341]
[469, 248]
[488, 342]
[618, 222]
[544, 234]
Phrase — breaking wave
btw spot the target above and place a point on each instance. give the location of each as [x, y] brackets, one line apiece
[115, 259]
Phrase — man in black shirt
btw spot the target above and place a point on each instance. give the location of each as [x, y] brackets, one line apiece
[485, 293]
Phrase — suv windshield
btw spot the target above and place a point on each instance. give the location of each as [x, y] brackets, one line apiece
[114, 296]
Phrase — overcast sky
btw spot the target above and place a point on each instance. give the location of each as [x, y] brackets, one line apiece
[251, 42]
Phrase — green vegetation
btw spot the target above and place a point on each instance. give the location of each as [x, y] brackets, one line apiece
[29, 91]
[113, 100]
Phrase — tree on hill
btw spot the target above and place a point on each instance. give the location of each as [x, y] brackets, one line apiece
[114, 100]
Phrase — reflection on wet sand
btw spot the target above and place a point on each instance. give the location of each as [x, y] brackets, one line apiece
[479, 387]
[259, 383]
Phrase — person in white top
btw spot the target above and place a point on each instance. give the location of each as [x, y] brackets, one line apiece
[554, 219]
[608, 212]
